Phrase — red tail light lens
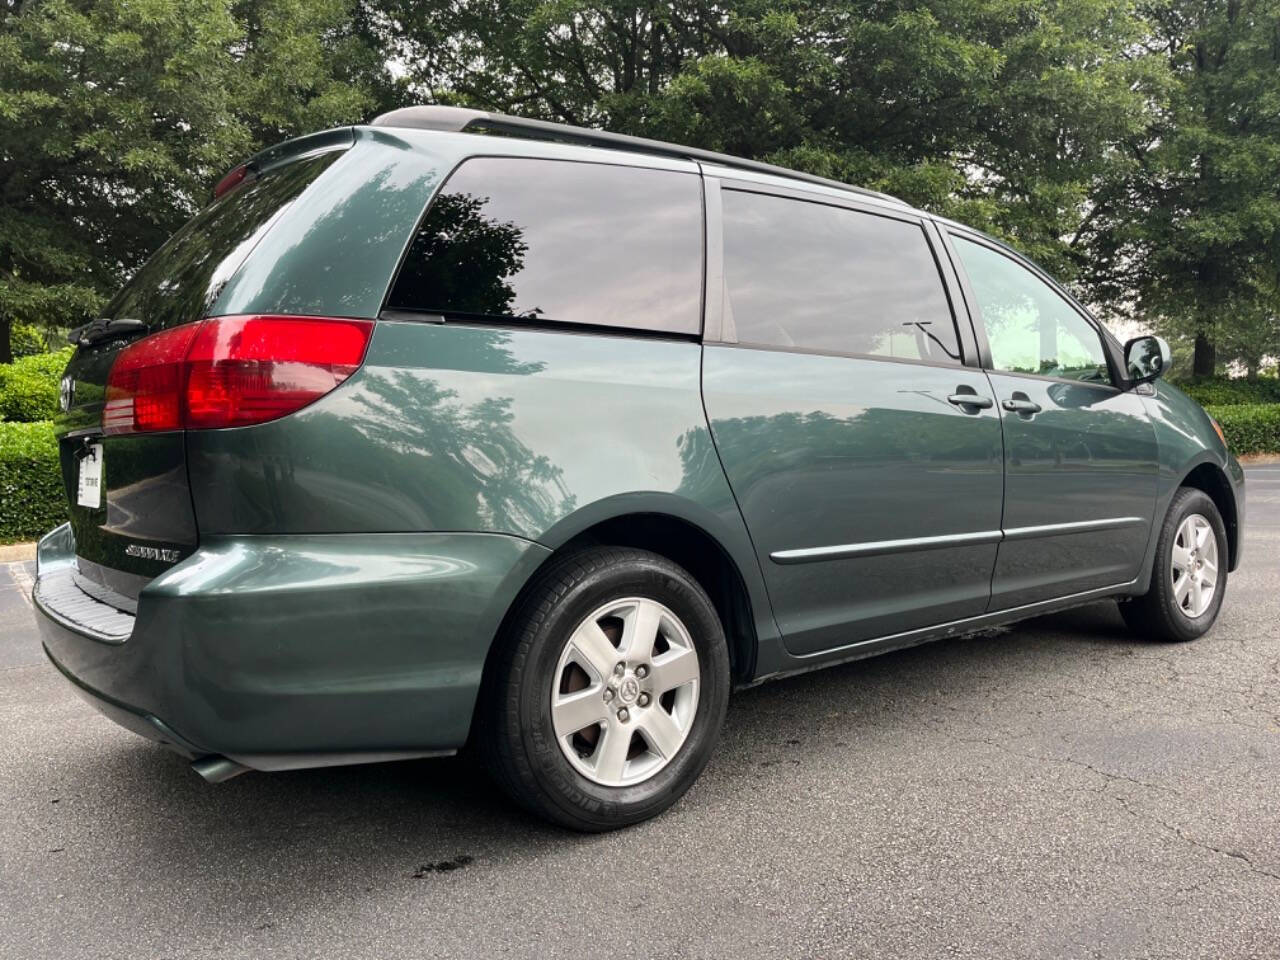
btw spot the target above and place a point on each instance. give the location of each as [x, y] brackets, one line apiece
[144, 388]
[230, 372]
[246, 370]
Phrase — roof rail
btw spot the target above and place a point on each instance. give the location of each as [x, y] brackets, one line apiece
[463, 120]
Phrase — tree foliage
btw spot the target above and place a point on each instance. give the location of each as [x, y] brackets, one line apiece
[116, 116]
[1189, 233]
[1001, 112]
[1132, 146]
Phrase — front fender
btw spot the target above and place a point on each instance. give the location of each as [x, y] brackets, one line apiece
[1190, 449]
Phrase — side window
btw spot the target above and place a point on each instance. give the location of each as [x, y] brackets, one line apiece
[1030, 327]
[819, 277]
[554, 240]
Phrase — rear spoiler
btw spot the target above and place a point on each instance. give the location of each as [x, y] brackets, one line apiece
[339, 138]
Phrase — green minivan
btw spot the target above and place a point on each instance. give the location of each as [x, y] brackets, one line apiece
[461, 429]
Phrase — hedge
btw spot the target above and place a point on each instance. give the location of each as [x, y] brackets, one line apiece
[32, 498]
[1250, 427]
[29, 386]
[1222, 391]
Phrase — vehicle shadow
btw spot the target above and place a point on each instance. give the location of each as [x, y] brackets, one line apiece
[356, 830]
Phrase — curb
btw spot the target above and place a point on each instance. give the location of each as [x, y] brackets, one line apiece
[17, 552]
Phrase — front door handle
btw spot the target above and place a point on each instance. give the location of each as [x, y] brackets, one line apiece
[970, 400]
[1021, 405]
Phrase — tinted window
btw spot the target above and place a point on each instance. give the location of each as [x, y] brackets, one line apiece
[184, 277]
[560, 241]
[1030, 327]
[808, 275]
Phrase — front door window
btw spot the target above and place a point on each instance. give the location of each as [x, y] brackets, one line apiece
[1030, 327]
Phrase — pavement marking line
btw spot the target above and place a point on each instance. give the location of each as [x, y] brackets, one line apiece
[18, 570]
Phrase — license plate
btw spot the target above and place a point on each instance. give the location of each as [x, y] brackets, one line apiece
[89, 487]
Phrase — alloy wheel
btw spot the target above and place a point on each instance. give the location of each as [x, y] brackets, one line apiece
[625, 692]
[1194, 565]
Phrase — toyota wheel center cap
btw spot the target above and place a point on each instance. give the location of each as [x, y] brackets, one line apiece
[628, 690]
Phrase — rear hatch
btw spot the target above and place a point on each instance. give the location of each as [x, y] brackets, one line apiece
[130, 505]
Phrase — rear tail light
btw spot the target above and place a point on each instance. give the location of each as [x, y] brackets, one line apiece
[230, 372]
[243, 370]
[144, 388]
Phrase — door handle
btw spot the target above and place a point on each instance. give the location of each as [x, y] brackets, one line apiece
[970, 400]
[1021, 405]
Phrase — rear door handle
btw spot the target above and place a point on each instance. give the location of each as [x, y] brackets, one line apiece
[970, 400]
[1021, 406]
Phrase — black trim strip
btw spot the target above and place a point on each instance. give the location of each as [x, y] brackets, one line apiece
[544, 325]
[853, 651]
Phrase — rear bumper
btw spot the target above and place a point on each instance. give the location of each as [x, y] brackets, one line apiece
[131, 718]
[293, 651]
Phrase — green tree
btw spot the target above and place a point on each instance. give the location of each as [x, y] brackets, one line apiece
[304, 65]
[1129, 144]
[1002, 112]
[1190, 235]
[117, 116]
[1252, 335]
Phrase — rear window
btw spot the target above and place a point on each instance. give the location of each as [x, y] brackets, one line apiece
[184, 277]
[819, 277]
[560, 241]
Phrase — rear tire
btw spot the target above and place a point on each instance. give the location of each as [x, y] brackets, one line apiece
[607, 691]
[1189, 577]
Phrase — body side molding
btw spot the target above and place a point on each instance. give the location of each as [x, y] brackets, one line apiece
[1079, 526]
[879, 547]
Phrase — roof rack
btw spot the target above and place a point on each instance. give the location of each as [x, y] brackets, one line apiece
[463, 120]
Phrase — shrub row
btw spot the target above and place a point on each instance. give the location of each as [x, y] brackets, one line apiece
[32, 498]
[1223, 391]
[1250, 427]
[29, 386]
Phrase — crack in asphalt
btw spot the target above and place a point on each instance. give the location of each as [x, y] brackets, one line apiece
[1072, 761]
[1193, 841]
[1124, 802]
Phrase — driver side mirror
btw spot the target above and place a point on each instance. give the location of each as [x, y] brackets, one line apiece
[1146, 358]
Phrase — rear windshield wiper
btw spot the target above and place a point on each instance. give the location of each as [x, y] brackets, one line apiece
[104, 329]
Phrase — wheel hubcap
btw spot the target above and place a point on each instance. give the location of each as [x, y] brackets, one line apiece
[625, 692]
[1194, 566]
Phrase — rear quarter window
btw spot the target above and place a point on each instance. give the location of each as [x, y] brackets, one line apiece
[560, 241]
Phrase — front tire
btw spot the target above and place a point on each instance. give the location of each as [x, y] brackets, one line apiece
[608, 690]
[1189, 578]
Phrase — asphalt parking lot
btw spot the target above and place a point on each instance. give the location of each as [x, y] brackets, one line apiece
[1057, 789]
